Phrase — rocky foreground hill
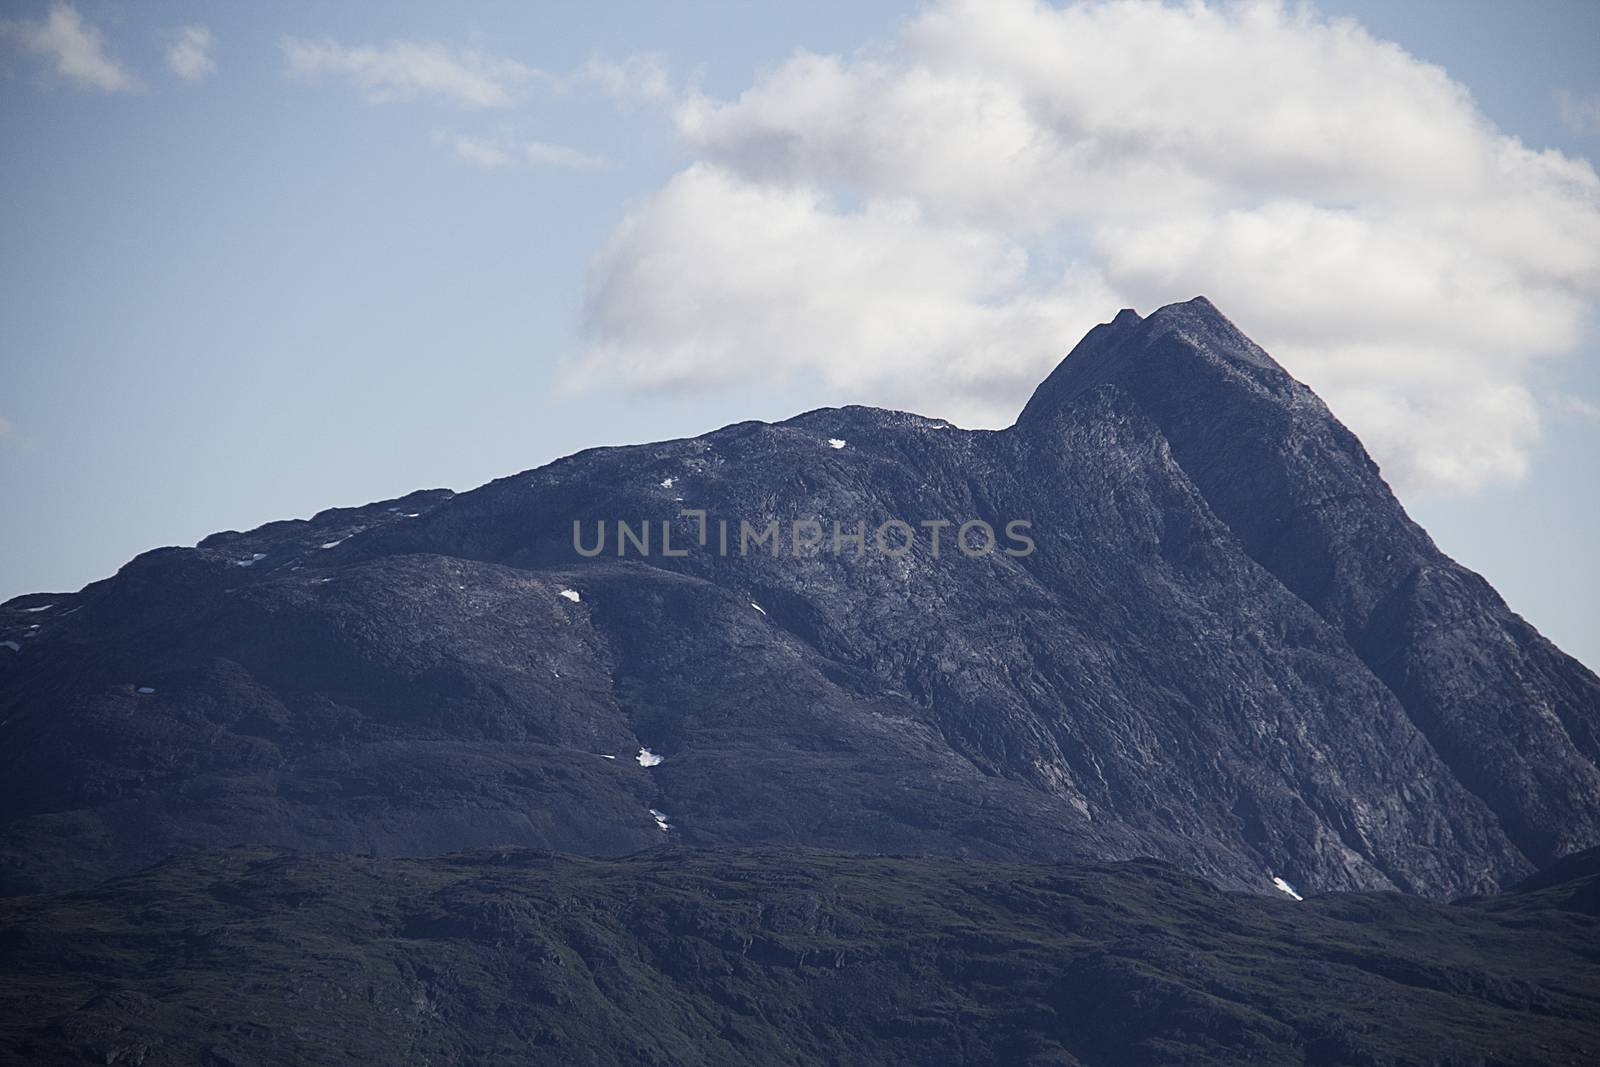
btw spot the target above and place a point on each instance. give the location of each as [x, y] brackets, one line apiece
[254, 956]
[1228, 648]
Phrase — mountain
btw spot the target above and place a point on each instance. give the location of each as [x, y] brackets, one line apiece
[676, 956]
[1228, 648]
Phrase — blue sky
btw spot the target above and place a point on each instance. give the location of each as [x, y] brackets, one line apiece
[256, 264]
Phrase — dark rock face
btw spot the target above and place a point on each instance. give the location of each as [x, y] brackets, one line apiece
[678, 956]
[1230, 649]
[1512, 717]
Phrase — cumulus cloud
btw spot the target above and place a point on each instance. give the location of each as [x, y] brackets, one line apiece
[499, 152]
[74, 48]
[721, 279]
[938, 218]
[405, 70]
[189, 54]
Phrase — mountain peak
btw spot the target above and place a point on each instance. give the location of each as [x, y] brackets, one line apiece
[1201, 323]
[1197, 314]
[1199, 305]
[1307, 503]
[1160, 350]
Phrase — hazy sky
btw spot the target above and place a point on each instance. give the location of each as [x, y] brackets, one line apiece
[259, 260]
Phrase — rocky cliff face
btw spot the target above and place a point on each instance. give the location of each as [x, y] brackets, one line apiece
[1229, 648]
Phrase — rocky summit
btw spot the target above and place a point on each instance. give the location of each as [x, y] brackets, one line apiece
[1173, 612]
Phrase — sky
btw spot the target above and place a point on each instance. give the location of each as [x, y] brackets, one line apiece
[260, 260]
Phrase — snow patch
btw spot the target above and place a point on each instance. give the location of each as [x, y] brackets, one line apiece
[570, 594]
[411, 514]
[12, 645]
[41, 607]
[666, 483]
[252, 561]
[145, 689]
[758, 607]
[647, 758]
[661, 820]
[335, 544]
[1285, 887]
[604, 756]
[835, 442]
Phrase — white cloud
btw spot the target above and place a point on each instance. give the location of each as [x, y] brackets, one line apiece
[1581, 114]
[721, 279]
[404, 70]
[76, 49]
[1576, 407]
[544, 154]
[640, 79]
[494, 153]
[941, 216]
[480, 152]
[189, 55]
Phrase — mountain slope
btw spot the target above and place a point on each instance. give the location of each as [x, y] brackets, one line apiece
[1511, 715]
[1230, 649]
[676, 956]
